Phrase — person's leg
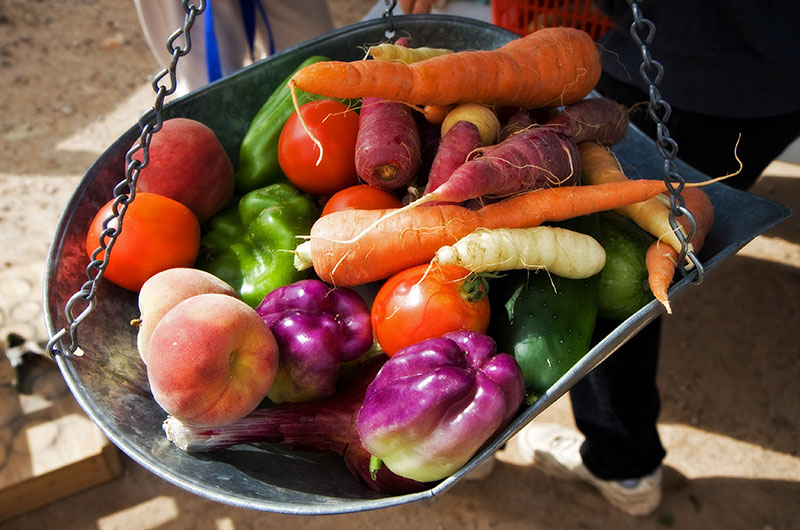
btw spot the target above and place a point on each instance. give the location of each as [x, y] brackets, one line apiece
[159, 20]
[275, 25]
[616, 407]
[297, 21]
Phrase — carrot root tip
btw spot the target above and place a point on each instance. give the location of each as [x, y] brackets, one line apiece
[667, 306]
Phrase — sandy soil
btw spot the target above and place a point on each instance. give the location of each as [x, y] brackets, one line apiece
[75, 75]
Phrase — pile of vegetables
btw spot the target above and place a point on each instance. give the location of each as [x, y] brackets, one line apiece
[430, 237]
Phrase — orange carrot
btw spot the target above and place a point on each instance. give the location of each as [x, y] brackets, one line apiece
[436, 113]
[662, 260]
[549, 67]
[352, 248]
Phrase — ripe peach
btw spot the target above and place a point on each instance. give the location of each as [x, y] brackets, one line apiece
[211, 360]
[162, 291]
[188, 164]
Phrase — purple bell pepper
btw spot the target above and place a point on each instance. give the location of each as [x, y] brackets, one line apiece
[435, 403]
[317, 328]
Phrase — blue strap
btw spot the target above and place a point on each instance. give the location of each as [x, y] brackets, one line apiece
[249, 21]
[266, 24]
[248, 8]
[212, 49]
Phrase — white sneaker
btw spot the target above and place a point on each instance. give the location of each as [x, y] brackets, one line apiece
[556, 450]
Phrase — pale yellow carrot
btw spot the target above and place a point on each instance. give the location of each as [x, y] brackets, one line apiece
[600, 166]
[560, 251]
[402, 54]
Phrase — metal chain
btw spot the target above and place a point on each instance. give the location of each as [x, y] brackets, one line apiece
[125, 191]
[388, 14]
[643, 30]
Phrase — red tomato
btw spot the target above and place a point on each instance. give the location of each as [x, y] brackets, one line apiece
[425, 302]
[336, 127]
[158, 233]
[361, 197]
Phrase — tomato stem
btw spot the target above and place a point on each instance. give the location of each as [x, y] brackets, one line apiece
[476, 285]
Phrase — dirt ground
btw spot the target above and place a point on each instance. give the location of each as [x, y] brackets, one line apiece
[75, 75]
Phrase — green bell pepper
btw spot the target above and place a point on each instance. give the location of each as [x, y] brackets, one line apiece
[251, 246]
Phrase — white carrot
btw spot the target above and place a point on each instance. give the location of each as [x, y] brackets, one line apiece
[403, 54]
[560, 251]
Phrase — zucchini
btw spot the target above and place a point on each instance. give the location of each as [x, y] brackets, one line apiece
[623, 281]
[258, 154]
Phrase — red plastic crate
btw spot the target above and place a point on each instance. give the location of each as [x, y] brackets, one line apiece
[526, 16]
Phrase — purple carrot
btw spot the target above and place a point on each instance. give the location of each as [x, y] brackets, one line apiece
[518, 121]
[544, 156]
[388, 151]
[534, 158]
[595, 119]
[454, 150]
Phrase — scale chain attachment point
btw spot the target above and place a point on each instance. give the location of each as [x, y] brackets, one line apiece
[125, 191]
[388, 14]
[643, 32]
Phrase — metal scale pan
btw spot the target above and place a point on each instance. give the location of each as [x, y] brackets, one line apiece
[109, 381]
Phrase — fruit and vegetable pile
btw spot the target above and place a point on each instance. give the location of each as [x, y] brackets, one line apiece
[411, 247]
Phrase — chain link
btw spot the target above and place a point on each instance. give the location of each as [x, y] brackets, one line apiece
[643, 31]
[388, 14]
[125, 191]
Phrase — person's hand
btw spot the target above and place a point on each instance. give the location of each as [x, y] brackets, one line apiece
[416, 6]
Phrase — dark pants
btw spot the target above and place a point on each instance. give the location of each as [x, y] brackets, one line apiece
[616, 406]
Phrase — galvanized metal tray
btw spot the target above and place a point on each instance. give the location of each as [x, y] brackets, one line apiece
[109, 380]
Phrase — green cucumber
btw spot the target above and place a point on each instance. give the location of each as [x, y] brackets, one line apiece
[623, 281]
[545, 321]
[258, 154]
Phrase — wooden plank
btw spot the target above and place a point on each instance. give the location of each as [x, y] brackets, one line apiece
[48, 451]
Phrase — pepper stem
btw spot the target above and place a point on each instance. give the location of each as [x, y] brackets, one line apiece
[375, 464]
